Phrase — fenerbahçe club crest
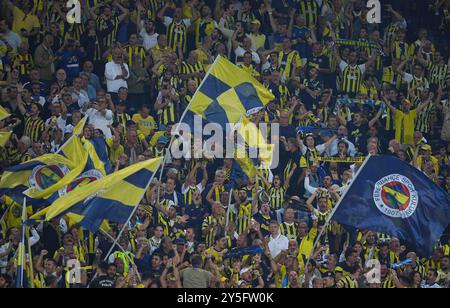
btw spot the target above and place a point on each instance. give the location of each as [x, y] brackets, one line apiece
[43, 177]
[395, 196]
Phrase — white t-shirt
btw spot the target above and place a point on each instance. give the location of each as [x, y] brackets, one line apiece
[185, 189]
[239, 52]
[278, 244]
[82, 97]
[168, 21]
[60, 122]
[112, 70]
[149, 40]
[343, 65]
[409, 78]
[100, 120]
[13, 40]
[430, 286]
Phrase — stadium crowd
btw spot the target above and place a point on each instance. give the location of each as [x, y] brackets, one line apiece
[344, 88]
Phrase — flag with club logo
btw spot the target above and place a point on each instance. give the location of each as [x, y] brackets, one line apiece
[111, 198]
[392, 197]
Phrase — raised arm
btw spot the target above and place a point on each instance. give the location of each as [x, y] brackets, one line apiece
[209, 196]
[394, 13]
[401, 67]
[309, 202]
[375, 118]
[269, 9]
[162, 12]
[388, 104]
[336, 54]
[420, 59]
[330, 141]
[191, 175]
[124, 11]
[437, 99]
[291, 23]
[204, 176]
[140, 9]
[371, 60]
[92, 13]
[218, 10]
[234, 42]
[288, 178]
[20, 103]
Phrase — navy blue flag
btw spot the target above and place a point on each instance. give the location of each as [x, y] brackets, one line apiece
[392, 197]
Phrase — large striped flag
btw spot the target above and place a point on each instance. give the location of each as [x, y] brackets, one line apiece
[226, 93]
[112, 198]
[228, 96]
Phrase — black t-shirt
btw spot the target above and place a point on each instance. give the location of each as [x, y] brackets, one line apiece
[264, 222]
[358, 135]
[157, 272]
[102, 282]
[319, 62]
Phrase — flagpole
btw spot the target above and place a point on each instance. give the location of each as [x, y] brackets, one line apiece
[131, 216]
[4, 214]
[327, 222]
[22, 243]
[30, 256]
[121, 248]
[172, 138]
[229, 208]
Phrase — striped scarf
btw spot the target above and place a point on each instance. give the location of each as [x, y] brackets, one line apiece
[362, 44]
[369, 102]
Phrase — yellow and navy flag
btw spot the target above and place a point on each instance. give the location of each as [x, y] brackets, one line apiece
[226, 93]
[90, 160]
[4, 138]
[392, 197]
[43, 172]
[98, 157]
[254, 138]
[3, 113]
[243, 165]
[112, 198]
[48, 179]
[78, 129]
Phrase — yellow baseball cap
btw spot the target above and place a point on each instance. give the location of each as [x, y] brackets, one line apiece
[426, 147]
[407, 101]
[256, 22]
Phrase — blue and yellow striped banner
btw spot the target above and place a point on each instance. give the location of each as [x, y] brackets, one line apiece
[111, 198]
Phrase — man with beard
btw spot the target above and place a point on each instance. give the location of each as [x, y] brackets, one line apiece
[242, 210]
[444, 272]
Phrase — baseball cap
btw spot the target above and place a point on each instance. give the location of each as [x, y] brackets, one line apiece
[255, 22]
[426, 147]
[163, 140]
[180, 241]
[406, 101]
[244, 270]
[267, 72]
[328, 274]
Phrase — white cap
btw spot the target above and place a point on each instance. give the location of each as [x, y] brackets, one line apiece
[244, 270]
